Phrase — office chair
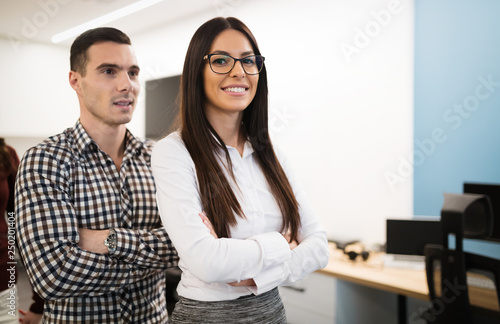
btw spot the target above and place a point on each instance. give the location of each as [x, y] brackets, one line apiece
[450, 270]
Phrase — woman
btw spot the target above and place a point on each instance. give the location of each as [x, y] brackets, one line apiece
[222, 162]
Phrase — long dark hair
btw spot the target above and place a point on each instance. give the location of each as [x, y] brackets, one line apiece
[207, 148]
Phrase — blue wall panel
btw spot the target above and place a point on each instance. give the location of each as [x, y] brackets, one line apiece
[457, 101]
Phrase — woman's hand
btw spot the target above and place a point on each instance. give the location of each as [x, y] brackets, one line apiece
[247, 282]
[293, 244]
[208, 224]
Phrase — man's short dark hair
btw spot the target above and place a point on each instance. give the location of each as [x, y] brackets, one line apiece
[78, 58]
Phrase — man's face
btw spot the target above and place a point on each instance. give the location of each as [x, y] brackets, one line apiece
[108, 92]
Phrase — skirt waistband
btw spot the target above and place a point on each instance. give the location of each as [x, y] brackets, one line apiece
[266, 308]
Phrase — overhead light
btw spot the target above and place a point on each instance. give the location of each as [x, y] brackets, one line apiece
[103, 20]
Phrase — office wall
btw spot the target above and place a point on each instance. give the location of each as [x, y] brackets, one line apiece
[37, 99]
[457, 78]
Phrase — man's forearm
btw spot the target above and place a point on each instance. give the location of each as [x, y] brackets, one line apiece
[93, 240]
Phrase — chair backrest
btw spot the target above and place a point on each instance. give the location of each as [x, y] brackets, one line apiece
[459, 284]
[451, 272]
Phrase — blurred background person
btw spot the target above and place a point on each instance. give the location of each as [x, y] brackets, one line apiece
[9, 161]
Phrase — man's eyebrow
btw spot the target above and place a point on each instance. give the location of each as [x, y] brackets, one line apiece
[115, 66]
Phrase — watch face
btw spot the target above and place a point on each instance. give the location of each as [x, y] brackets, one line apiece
[110, 241]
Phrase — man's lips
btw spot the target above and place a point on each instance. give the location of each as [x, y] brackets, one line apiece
[123, 102]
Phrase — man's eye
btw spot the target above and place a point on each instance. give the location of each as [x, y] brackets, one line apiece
[108, 71]
[134, 73]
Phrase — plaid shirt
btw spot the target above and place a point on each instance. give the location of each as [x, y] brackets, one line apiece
[66, 183]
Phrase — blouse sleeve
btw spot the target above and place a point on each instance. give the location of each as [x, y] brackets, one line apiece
[310, 255]
[209, 259]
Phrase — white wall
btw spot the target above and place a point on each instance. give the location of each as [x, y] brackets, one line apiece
[343, 119]
[37, 100]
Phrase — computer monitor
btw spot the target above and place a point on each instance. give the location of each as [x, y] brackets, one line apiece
[409, 236]
[492, 191]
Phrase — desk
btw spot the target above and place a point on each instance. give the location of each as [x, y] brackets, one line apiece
[403, 282]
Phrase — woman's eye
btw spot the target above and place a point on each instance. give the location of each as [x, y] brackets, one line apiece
[219, 61]
[249, 61]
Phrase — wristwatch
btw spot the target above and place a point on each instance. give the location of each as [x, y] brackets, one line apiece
[110, 241]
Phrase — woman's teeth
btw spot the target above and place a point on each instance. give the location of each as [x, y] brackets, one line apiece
[235, 89]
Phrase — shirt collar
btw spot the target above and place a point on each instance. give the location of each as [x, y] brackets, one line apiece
[83, 142]
[133, 146]
[82, 139]
[248, 150]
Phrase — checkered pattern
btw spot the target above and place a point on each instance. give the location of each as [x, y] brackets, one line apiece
[66, 183]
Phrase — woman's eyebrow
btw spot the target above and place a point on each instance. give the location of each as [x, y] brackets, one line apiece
[226, 53]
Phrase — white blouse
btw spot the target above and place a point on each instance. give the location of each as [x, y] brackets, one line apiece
[256, 248]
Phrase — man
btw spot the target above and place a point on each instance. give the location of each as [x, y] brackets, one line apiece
[88, 225]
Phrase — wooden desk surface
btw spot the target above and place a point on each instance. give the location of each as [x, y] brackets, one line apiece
[372, 273]
[407, 282]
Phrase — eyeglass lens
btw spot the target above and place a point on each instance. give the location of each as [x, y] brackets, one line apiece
[224, 64]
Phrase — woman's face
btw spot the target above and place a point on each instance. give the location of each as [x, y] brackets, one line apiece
[229, 93]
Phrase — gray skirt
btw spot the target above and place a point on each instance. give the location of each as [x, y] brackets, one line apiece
[266, 308]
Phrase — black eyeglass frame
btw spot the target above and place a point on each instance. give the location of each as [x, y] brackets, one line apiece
[208, 56]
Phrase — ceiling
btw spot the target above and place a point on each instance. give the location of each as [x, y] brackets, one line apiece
[39, 20]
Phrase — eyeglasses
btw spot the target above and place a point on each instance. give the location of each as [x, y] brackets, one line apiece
[223, 64]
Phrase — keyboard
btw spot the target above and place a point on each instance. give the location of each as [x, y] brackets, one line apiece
[404, 261]
[481, 282]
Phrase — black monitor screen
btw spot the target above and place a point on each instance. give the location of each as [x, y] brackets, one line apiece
[409, 236]
[492, 191]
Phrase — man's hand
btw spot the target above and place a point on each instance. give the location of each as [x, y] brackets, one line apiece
[93, 240]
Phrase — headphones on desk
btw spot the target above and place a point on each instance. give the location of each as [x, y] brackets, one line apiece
[353, 255]
[352, 250]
